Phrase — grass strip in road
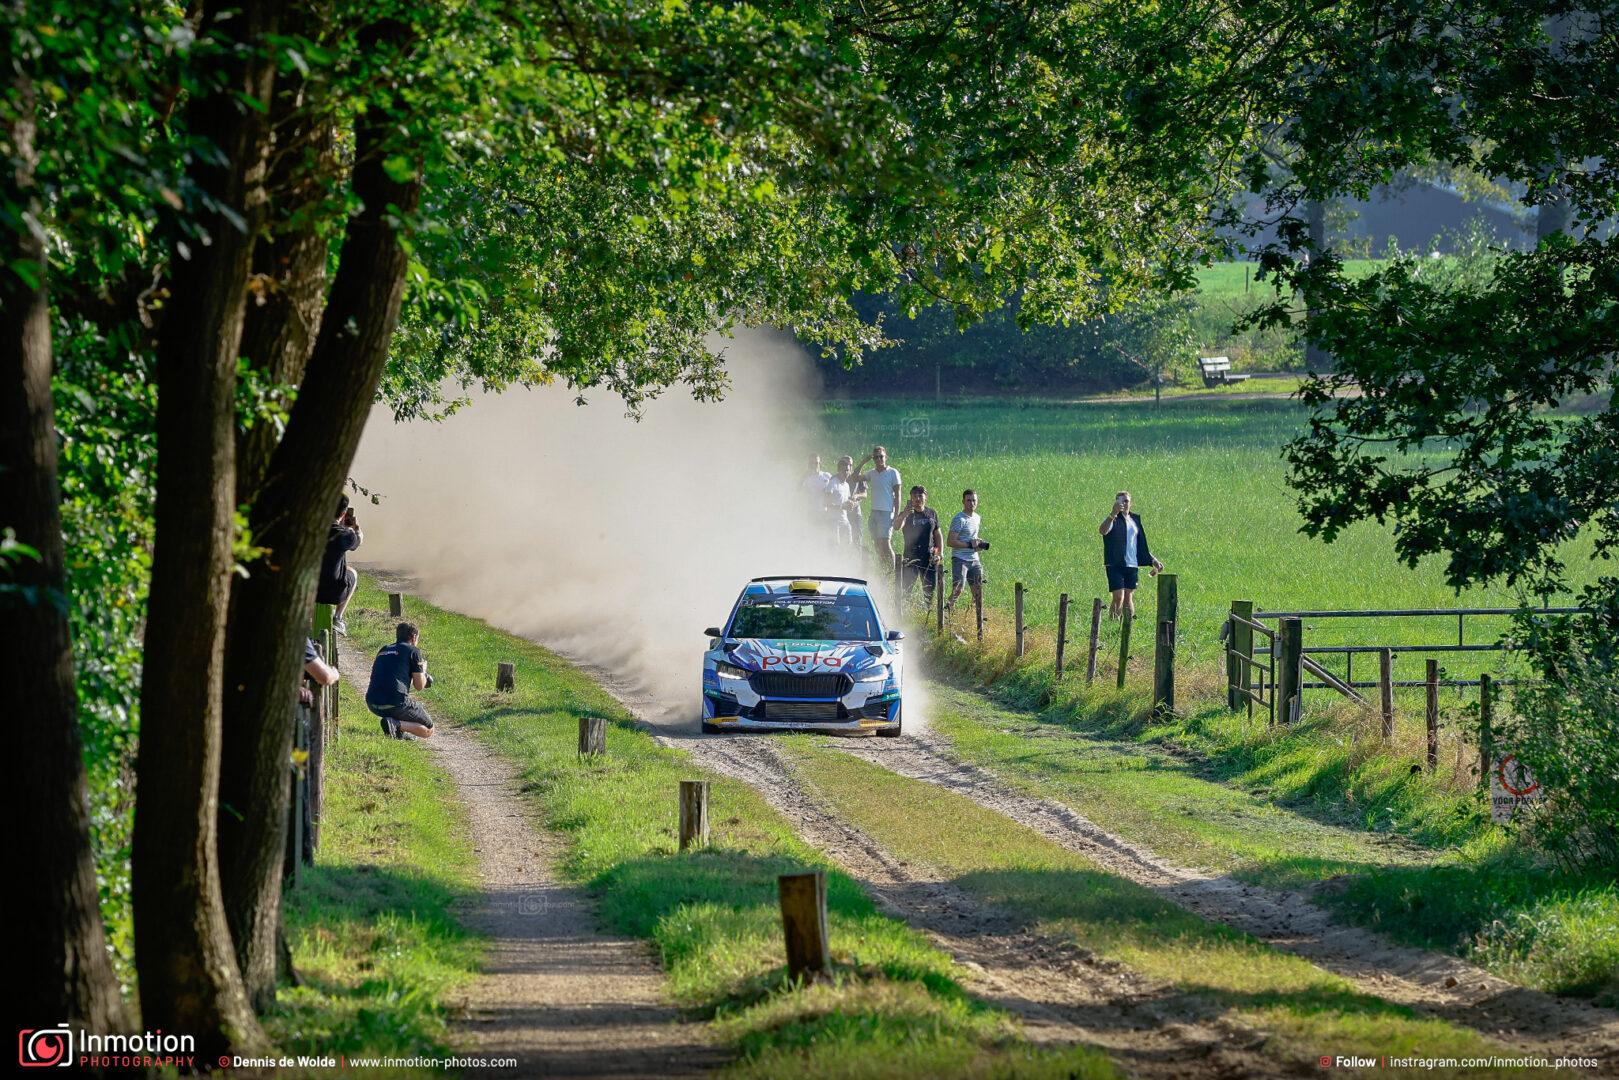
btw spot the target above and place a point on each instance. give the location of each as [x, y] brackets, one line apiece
[1305, 1010]
[372, 925]
[1485, 900]
[895, 1007]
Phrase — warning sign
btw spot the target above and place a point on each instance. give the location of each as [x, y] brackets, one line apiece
[1512, 787]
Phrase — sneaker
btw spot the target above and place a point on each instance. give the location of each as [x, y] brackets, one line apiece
[390, 726]
[341, 627]
[406, 736]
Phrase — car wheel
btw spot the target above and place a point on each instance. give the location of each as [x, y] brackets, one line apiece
[895, 731]
[711, 729]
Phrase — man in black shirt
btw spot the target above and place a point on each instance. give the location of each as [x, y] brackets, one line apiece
[919, 524]
[336, 582]
[398, 669]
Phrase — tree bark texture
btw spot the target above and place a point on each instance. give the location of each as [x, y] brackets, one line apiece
[58, 950]
[189, 980]
[1315, 216]
[271, 609]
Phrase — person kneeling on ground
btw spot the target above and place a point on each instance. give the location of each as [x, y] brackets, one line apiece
[398, 669]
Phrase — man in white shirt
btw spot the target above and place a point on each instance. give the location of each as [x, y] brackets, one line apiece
[883, 479]
[814, 488]
[962, 539]
[840, 499]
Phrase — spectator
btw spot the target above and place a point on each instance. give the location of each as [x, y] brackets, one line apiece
[963, 538]
[336, 583]
[884, 481]
[814, 486]
[839, 501]
[922, 543]
[857, 495]
[398, 669]
[316, 668]
[1124, 546]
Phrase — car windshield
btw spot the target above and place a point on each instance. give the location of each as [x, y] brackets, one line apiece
[806, 618]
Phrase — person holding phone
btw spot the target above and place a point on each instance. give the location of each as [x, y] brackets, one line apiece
[336, 583]
[1124, 552]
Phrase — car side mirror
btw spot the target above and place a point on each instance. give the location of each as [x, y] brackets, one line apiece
[896, 635]
[713, 631]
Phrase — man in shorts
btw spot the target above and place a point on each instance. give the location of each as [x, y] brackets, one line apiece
[814, 487]
[922, 543]
[965, 546]
[883, 480]
[398, 669]
[837, 497]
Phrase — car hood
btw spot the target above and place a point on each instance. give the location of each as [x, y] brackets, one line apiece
[803, 657]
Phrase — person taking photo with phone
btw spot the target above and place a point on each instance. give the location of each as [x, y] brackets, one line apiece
[1124, 552]
[336, 583]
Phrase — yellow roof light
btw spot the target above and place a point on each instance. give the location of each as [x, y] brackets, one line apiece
[805, 586]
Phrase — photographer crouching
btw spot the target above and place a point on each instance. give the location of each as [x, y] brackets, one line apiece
[398, 669]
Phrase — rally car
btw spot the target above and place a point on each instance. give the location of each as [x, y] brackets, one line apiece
[803, 654]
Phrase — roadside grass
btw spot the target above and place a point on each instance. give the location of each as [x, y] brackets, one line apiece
[895, 1006]
[1413, 856]
[1212, 967]
[372, 925]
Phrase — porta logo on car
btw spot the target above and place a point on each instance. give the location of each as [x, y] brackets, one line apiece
[804, 660]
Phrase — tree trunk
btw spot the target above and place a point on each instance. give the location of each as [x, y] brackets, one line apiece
[1315, 216]
[59, 955]
[189, 980]
[271, 608]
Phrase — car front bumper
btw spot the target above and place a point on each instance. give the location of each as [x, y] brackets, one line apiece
[870, 716]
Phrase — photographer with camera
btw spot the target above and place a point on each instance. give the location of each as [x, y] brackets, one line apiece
[336, 583]
[1124, 547]
[398, 669]
[963, 539]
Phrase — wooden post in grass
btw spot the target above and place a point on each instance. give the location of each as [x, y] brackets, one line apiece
[1096, 641]
[315, 771]
[1062, 631]
[803, 923]
[1238, 673]
[1289, 689]
[1432, 688]
[938, 591]
[592, 735]
[1017, 616]
[1163, 652]
[1486, 728]
[505, 675]
[899, 583]
[693, 813]
[1385, 689]
[396, 605]
[978, 611]
[1126, 619]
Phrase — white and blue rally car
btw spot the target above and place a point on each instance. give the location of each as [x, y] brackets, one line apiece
[803, 654]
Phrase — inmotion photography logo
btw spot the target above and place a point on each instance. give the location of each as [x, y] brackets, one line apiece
[38, 1047]
[915, 427]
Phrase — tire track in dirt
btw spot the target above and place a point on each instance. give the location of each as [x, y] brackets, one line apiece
[1436, 984]
[560, 996]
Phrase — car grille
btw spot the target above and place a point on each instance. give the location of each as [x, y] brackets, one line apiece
[783, 684]
[801, 710]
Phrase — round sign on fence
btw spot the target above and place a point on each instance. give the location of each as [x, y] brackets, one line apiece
[1515, 779]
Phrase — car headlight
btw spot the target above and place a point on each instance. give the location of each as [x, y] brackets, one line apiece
[876, 674]
[729, 671]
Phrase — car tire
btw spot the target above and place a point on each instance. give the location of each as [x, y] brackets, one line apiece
[712, 729]
[898, 728]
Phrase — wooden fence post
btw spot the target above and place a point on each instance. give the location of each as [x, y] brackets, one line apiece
[1096, 641]
[1017, 616]
[1163, 655]
[899, 583]
[505, 675]
[1486, 706]
[978, 611]
[396, 605]
[1062, 631]
[1433, 714]
[939, 582]
[1239, 673]
[1289, 689]
[315, 772]
[693, 813]
[1385, 689]
[592, 735]
[803, 922]
[1126, 618]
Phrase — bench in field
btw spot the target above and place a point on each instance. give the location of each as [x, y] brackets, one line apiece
[1217, 371]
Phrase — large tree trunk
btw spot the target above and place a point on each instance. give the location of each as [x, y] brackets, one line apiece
[189, 980]
[271, 608]
[1316, 358]
[59, 955]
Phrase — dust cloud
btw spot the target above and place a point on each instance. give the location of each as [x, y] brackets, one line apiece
[609, 540]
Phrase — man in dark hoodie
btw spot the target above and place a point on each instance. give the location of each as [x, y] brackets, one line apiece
[1124, 552]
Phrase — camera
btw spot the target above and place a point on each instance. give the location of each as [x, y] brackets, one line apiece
[983, 545]
[429, 682]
